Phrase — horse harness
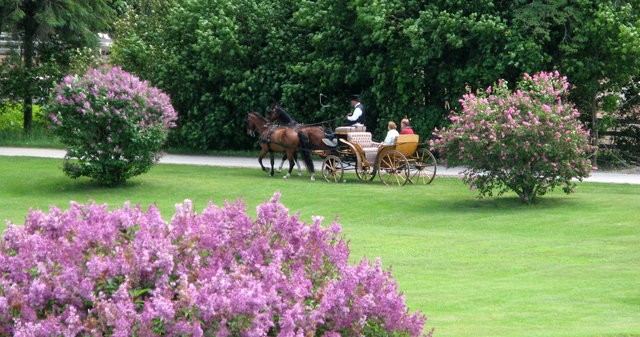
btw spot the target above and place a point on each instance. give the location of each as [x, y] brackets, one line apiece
[266, 138]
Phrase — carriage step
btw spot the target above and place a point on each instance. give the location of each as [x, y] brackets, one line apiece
[330, 142]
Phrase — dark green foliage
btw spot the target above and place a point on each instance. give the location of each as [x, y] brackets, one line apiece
[221, 59]
[206, 63]
[626, 121]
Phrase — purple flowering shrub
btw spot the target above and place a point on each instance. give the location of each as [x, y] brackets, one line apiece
[88, 271]
[528, 141]
[112, 123]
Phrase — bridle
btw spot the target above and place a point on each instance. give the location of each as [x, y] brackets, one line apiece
[252, 125]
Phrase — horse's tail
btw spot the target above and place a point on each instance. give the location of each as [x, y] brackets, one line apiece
[305, 149]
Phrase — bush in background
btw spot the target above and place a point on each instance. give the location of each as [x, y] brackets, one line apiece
[88, 271]
[112, 123]
[12, 130]
[12, 117]
[528, 141]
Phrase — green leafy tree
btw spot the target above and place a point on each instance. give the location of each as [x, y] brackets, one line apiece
[604, 55]
[453, 46]
[46, 29]
[217, 66]
[596, 44]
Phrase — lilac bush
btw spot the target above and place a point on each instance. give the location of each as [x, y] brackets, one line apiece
[528, 141]
[112, 123]
[88, 271]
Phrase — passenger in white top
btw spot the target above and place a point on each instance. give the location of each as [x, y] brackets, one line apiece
[392, 134]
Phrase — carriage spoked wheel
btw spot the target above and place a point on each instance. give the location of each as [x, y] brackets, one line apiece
[365, 173]
[393, 168]
[423, 167]
[332, 169]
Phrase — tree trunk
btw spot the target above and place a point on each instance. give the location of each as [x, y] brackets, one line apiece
[594, 130]
[28, 49]
[2, 18]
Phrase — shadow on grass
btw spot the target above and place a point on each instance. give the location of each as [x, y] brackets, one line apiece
[506, 203]
[65, 185]
[155, 181]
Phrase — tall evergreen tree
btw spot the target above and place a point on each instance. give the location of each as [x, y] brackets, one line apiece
[46, 28]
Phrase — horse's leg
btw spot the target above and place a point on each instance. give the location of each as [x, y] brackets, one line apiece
[290, 156]
[295, 157]
[308, 161]
[312, 173]
[300, 170]
[272, 171]
[284, 158]
[262, 154]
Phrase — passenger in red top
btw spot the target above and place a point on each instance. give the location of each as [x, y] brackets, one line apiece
[405, 128]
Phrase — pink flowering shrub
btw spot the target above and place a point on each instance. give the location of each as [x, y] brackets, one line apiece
[112, 123]
[528, 141]
[88, 271]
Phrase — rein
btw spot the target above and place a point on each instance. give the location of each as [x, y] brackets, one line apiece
[322, 122]
[279, 111]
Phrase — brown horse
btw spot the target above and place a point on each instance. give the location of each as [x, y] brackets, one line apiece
[316, 133]
[279, 139]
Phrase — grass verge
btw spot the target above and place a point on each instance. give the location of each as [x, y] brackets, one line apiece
[38, 137]
[568, 266]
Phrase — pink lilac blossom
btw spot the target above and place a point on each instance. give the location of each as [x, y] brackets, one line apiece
[516, 140]
[110, 109]
[90, 271]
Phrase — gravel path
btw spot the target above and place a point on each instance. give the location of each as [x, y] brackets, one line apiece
[626, 176]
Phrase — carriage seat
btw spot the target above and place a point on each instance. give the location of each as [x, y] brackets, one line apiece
[353, 128]
[364, 140]
[407, 144]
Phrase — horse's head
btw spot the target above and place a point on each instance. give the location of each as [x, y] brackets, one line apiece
[275, 109]
[279, 114]
[255, 123]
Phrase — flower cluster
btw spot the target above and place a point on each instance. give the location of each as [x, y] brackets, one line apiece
[112, 123]
[90, 271]
[528, 141]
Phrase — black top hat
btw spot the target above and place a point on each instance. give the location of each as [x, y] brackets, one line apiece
[355, 97]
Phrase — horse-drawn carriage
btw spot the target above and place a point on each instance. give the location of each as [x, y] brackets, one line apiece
[407, 160]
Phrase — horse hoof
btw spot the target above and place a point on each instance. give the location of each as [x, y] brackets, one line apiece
[285, 177]
[313, 179]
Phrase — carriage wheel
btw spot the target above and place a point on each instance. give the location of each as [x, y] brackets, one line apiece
[423, 170]
[365, 173]
[393, 168]
[332, 169]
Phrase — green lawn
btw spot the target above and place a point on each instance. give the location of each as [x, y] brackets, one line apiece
[568, 266]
